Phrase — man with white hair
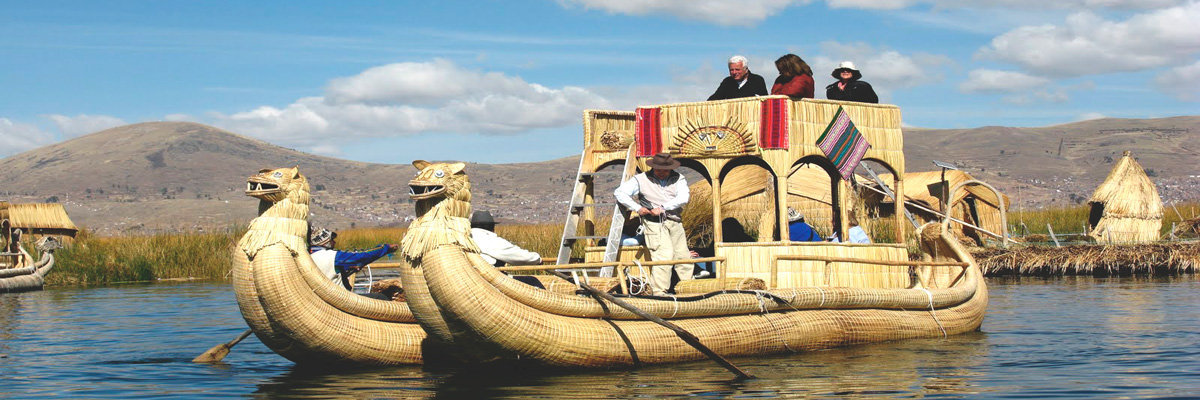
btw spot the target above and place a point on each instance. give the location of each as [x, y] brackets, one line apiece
[740, 82]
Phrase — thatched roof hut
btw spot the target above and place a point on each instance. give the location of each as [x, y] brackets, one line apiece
[975, 204]
[37, 218]
[1125, 208]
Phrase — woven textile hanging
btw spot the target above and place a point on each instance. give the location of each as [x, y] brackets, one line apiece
[843, 144]
[773, 127]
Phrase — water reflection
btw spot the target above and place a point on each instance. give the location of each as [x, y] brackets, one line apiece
[1070, 337]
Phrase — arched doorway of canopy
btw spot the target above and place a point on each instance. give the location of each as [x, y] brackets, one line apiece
[830, 204]
[746, 210]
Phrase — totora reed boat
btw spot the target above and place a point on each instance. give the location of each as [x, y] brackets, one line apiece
[18, 270]
[292, 307]
[815, 294]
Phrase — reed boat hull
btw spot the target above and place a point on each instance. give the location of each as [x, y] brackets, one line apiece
[546, 331]
[27, 279]
[308, 319]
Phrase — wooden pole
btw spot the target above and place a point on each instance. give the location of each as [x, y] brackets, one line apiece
[218, 352]
[1052, 237]
[685, 335]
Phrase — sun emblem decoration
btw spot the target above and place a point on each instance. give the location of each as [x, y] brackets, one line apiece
[730, 139]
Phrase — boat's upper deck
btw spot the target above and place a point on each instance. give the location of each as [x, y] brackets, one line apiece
[777, 129]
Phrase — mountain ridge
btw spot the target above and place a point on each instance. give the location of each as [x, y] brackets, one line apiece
[182, 176]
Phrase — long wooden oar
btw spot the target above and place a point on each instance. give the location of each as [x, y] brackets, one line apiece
[218, 352]
[685, 335]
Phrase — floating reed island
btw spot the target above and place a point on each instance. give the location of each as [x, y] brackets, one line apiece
[1173, 258]
[1124, 221]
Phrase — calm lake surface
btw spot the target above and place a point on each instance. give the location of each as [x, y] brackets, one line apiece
[1056, 338]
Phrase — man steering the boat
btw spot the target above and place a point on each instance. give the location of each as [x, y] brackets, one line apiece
[339, 265]
[660, 196]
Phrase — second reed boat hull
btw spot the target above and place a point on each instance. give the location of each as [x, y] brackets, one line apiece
[485, 313]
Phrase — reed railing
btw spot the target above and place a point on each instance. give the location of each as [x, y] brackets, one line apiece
[620, 266]
[774, 274]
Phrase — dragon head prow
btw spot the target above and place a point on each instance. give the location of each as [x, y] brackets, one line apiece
[282, 210]
[442, 192]
[438, 180]
[274, 185]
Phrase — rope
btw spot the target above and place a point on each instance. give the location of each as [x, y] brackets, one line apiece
[642, 276]
[822, 292]
[777, 333]
[675, 302]
[762, 305]
[934, 314]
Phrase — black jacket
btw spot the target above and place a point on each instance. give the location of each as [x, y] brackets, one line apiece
[755, 86]
[856, 90]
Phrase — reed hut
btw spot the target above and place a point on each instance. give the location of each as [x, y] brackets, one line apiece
[923, 191]
[1125, 208]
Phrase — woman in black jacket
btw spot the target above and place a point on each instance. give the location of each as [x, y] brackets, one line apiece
[849, 87]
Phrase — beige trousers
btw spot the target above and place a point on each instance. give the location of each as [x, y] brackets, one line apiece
[666, 241]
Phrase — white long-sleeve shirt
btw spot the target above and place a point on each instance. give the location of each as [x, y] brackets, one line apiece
[628, 191]
[493, 247]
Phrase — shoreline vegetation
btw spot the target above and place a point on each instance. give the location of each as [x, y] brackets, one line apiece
[95, 260]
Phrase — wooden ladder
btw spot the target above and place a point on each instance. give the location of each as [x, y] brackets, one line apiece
[584, 183]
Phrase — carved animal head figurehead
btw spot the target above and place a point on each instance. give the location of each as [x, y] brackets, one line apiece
[282, 210]
[442, 193]
[274, 185]
[436, 182]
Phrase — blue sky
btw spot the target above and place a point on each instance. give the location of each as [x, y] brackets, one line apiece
[507, 81]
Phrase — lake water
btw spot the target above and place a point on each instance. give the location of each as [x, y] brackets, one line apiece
[1056, 338]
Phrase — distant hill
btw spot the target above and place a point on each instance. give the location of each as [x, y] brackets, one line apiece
[1063, 164]
[169, 176]
[165, 176]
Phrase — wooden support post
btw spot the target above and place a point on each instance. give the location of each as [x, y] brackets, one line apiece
[1052, 237]
[901, 210]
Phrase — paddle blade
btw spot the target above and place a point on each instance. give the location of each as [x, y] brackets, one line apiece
[213, 355]
[218, 352]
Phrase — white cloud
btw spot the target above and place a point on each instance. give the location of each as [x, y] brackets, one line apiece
[994, 81]
[885, 70]
[411, 98]
[83, 124]
[1088, 44]
[870, 4]
[1006, 4]
[752, 12]
[720, 12]
[1047, 95]
[1182, 82]
[16, 137]
[1090, 116]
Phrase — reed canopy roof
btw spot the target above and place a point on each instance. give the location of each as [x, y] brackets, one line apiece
[926, 187]
[1128, 192]
[35, 217]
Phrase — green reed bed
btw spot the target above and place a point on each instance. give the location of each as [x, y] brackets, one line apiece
[1073, 220]
[206, 256]
[97, 260]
